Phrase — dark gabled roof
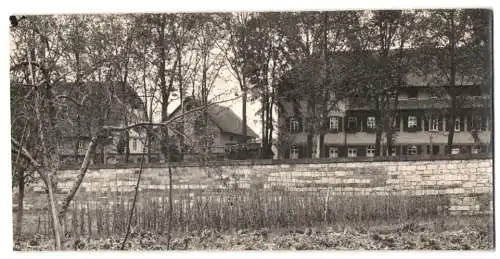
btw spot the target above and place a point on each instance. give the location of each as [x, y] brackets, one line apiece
[426, 67]
[228, 121]
[103, 105]
[225, 119]
[422, 67]
[125, 93]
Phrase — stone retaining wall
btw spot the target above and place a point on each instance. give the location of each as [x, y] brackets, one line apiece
[467, 182]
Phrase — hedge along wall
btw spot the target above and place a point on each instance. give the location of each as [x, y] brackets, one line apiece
[466, 181]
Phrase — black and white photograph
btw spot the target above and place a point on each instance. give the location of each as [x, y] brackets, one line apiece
[355, 129]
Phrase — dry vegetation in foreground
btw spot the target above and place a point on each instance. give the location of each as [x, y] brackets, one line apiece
[270, 220]
[452, 233]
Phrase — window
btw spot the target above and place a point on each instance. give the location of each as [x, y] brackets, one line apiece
[334, 123]
[476, 150]
[455, 151]
[333, 152]
[370, 151]
[332, 95]
[294, 152]
[412, 122]
[231, 138]
[370, 122]
[457, 124]
[352, 152]
[81, 144]
[434, 124]
[310, 124]
[435, 150]
[134, 144]
[476, 123]
[412, 93]
[153, 147]
[352, 122]
[294, 125]
[412, 150]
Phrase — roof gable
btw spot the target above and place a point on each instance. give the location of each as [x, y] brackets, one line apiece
[224, 118]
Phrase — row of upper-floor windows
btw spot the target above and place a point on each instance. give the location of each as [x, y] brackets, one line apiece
[433, 93]
[415, 92]
[436, 93]
[410, 123]
[297, 151]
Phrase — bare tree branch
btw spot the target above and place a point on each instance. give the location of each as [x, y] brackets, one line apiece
[162, 124]
[79, 177]
[22, 64]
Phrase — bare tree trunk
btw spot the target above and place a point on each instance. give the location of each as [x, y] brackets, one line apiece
[56, 226]
[325, 87]
[79, 177]
[50, 193]
[181, 94]
[271, 126]
[390, 128]
[20, 204]
[204, 96]
[244, 111]
[40, 119]
[451, 126]
[378, 126]
[124, 109]
[21, 183]
[263, 119]
[163, 83]
[452, 91]
[77, 81]
[393, 110]
[136, 193]
[170, 201]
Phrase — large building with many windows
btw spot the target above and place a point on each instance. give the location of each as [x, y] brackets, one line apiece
[419, 124]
